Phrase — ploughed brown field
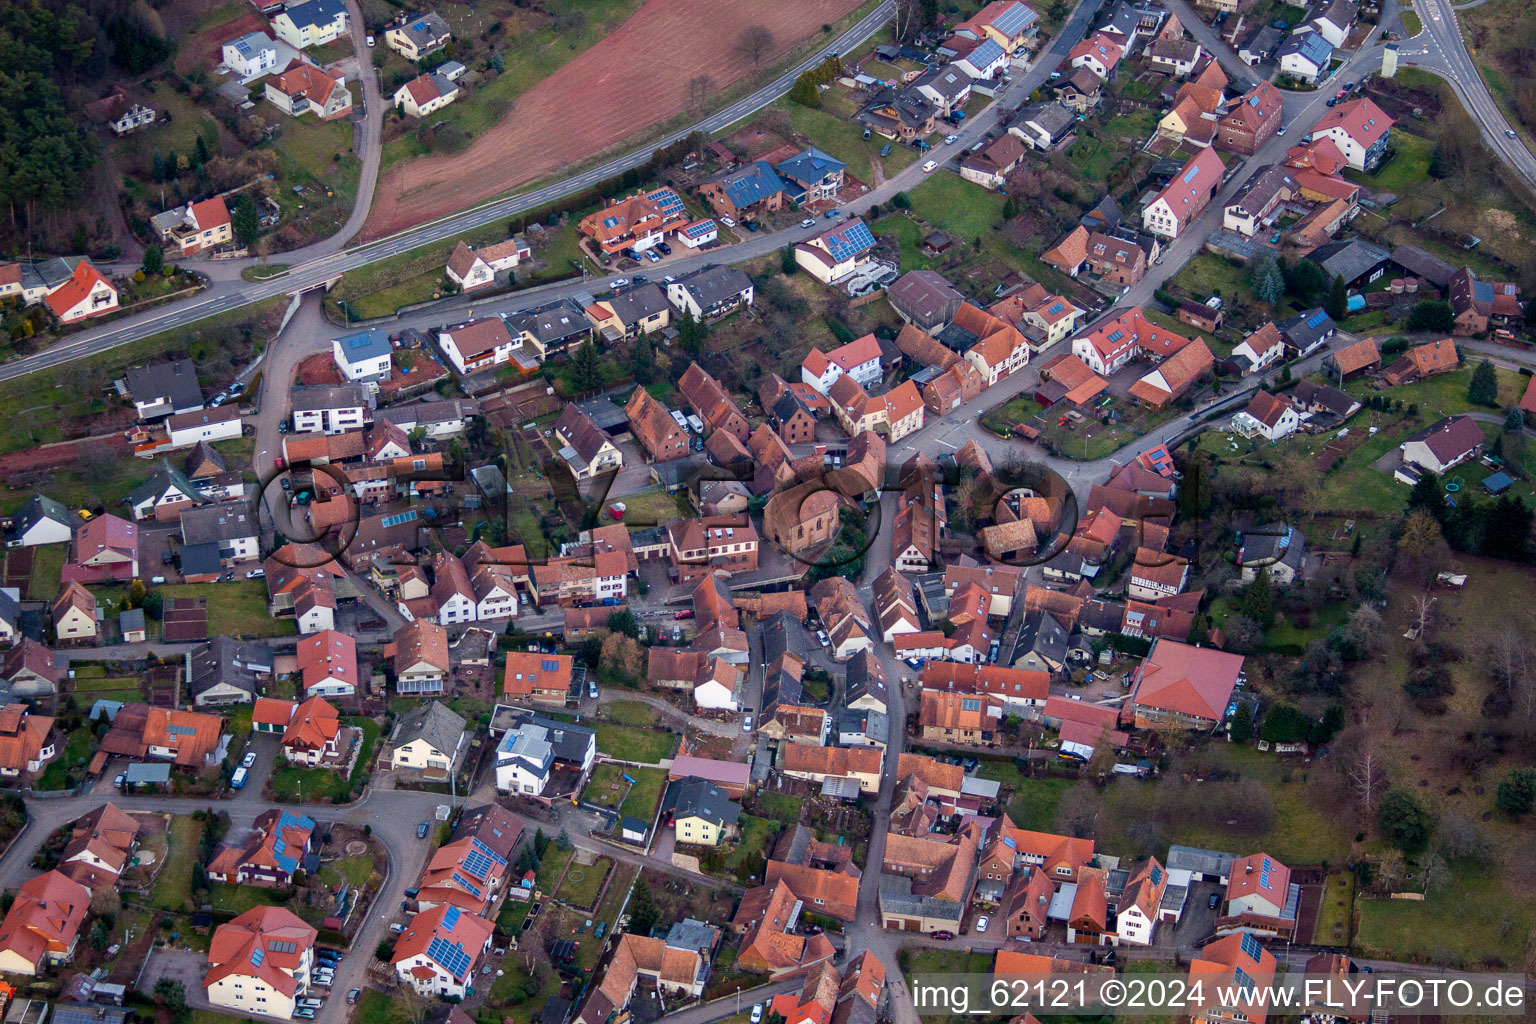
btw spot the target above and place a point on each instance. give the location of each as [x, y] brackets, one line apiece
[635, 78]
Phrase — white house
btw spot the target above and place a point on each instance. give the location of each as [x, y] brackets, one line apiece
[305, 89]
[711, 292]
[1261, 348]
[86, 294]
[1183, 199]
[983, 62]
[261, 962]
[859, 359]
[523, 760]
[41, 521]
[311, 23]
[1305, 55]
[364, 355]
[478, 344]
[451, 591]
[231, 526]
[1334, 19]
[135, 117]
[251, 56]
[1360, 129]
[476, 268]
[698, 233]
[835, 253]
[439, 950]
[1268, 416]
[188, 428]
[1447, 443]
[431, 738]
[425, 94]
[330, 410]
[715, 688]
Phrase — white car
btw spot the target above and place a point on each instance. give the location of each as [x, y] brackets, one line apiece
[757, 1013]
[728, 222]
[981, 924]
[950, 140]
[808, 223]
[930, 166]
[370, 42]
[249, 760]
[256, 574]
[619, 283]
[746, 724]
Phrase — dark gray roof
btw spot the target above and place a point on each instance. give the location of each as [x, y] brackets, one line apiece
[1305, 329]
[1270, 542]
[161, 480]
[175, 382]
[950, 83]
[492, 824]
[925, 296]
[1204, 862]
[434, 723]
[873, 724]
[337, 396]
[1105, 216]
[215, 523]
[1045, 636]
[1331, 399]
[695, 796]
[1424, 264]
[691, 933]
[860, 682]
[896, 896]
[201, 559]
[1351, 259]
[1103, 615]
[714, 285]
[40, 507]
[783, 633]
[1263, 42]
[605, 414]
[229, 662]
[1261, 188]
[553, 323]
[635, 305]
[424, 29]
[1054, 118]
[89, 1013]
[318, 13]
[569, 742]
[127, 620]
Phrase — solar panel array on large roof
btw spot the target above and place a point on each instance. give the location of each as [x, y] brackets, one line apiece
[1014, 19]
[847, 242]
[1251, 947]
[667, 201]
[451, 955]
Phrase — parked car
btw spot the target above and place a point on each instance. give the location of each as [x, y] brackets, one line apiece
[654, 257]
[237, 780]
[885, 150]
[1214, 900]
[981, 924]
[757, 1008]
[619, 282]
[218, 400]
[930, 166]
[422, 830]
[683, 613]
[592, 689]
[833, 214]
[746, 724]
[371, 42]
[728, 222]
[249, 760]
[950, 140]
[256, 574]
[1280, 130]
[354, 995]
[822, 638]
[121, 780]
[278, 462]
[664, 248]
[809, 222]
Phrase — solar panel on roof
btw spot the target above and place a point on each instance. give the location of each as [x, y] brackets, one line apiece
[283, 946]
[477, 844]
[451, 955]
[451, 918]
[1157, 874]
[399, 519]
[477, 864]
[550, 666]
[1244, 981]
[1191, 174]
[181, 730]
[1316, 319]
[469, 886]
[1250, 946]
[258, 955]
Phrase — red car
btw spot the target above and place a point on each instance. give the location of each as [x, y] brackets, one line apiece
[278, 462]
[686, 613]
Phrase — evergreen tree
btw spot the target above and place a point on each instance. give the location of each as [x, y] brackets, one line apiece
[642, 360]
[804, 91]
[154, 259]
[1337, 304]
[1259, 601]
[587, 367]
[1426, 495]
[1514, 420]
[1268, 284]
[1484, 386]
[244, 221]
[157, 167]
[691, 332]
[1009, 210]
[1404, 821]
[643, 914]
[787, 260]
[200, 152]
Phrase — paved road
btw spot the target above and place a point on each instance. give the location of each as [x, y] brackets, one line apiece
[1236, 68]
[315, 266]
[1440, 48]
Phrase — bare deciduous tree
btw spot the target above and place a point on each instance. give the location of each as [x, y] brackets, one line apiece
[909, 19]
[700, 88]
[1423, 615]
[1367, 777]
[754, 42]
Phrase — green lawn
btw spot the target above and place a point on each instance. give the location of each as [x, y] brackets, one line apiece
[43, 403]
[1333, 926]
[583, 882]
[1000, 419]
[554, 862]
[645, 794]
[1034, 801]
[1208, 274]
[844, 139]
[757, 836]
[1407, 167]
[294, 784]
[630, 712]
[1086, 441]
[418, 275]
[47, 567]
[646, 746]
[237, 608]
[1473, 920]
[960, 207]
[316, 156]
[173, 886]
[77, 750]
[354, 870]
[1412, 26]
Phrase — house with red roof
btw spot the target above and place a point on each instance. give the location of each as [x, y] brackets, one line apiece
[194, 227]
[43, 925]
[106, 549]
[313, 733]
[1260, 898]
[1184, 687]
[1360, 129]
[1185, 197]
[86, 294]
[1098, 54]
[426, 94]
[438, 951]
[859, 359]
[1175, 375]
[1268, 416]
[1114, 343]
[1237, 963]
[260, 962]
[327, 664]
[305, 89]
[270, 855]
